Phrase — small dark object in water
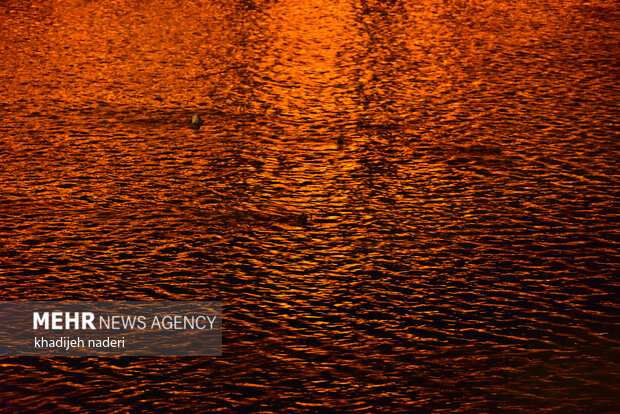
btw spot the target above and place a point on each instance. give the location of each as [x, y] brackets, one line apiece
[303, 219]
[340, 142]
[196, 121]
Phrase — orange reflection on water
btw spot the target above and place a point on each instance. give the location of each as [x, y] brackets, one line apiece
[394, 199]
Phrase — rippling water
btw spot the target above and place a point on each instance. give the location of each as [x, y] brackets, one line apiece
[457, 162]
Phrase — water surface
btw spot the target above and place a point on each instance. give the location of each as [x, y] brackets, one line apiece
[457, 162]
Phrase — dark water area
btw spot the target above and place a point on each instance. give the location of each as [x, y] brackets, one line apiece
[405, 206]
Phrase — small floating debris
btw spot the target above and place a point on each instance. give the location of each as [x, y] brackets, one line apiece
[196, 121]
[340, 141]
[303, 219]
